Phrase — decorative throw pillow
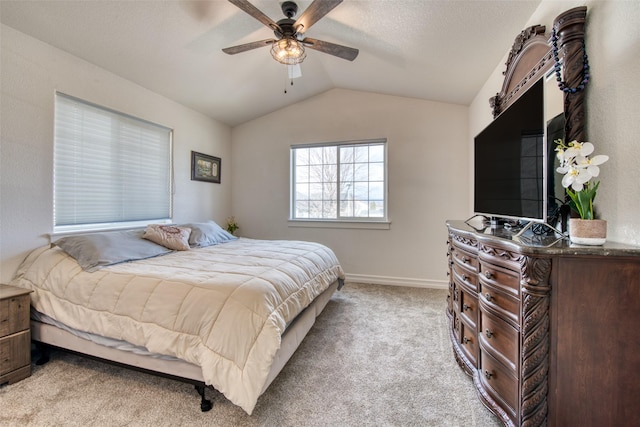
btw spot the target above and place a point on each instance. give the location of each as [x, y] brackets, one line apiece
[207, 234]
[169, 236]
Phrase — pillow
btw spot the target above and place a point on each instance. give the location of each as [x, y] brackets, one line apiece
[96, 250]
[170, 236]
[207, 234]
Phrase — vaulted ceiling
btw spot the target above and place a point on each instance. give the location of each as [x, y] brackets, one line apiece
[441, 50]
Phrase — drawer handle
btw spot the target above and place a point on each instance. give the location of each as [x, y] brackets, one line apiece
[488, 274]
[465, 260]
[465, 307]
[488, 374]
[488, 296]
[466, 340]
[488, 333]
[464, 277]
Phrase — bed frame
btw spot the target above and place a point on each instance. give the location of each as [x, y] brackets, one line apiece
[46, 336]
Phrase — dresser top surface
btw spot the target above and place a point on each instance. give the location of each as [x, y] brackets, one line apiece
[532, 243]
[7, 291]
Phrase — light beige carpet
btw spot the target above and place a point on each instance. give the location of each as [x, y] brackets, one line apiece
[377, 356]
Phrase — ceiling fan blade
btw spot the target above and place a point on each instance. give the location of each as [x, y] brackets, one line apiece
[316, 10]
[255, 12]
[247, 46]
[340, 51]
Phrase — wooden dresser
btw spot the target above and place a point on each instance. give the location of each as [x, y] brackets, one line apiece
[546, 329]
[15, 334]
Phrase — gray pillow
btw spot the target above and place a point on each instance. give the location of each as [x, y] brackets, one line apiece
[207, 234]
[96, 250]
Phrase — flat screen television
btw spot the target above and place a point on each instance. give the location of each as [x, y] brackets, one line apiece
[514, 162]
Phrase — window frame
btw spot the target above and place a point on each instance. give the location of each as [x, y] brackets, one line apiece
[382, 222]
[114, 224]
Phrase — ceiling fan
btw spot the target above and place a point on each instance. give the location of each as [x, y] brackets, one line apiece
[289, 45]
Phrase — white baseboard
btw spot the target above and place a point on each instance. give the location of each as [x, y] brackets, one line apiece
[397, 281]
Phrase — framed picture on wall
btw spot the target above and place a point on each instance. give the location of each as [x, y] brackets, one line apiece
[205, 167]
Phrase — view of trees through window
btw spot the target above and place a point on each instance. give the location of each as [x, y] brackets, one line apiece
[342, 181]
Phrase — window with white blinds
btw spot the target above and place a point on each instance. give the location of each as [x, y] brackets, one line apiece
[111, 170]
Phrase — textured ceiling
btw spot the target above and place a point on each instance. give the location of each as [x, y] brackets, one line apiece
[442, 50]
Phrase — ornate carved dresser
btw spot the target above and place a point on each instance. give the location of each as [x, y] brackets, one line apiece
[546, 329]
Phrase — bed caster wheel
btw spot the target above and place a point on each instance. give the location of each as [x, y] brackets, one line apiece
[43, 354]
[206, 405]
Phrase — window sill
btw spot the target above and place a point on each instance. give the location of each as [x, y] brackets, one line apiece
[363, 225]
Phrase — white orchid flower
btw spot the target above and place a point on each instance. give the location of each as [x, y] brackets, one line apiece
[571, 153]
[585, 148]
[591, 165]
[575, 178]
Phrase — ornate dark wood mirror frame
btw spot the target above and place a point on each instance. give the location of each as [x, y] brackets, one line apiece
[531, 58]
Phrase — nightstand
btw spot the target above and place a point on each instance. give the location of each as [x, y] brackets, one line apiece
[15, 334]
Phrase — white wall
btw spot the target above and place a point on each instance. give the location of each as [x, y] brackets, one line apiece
[427, 149]
[613, 46]
[31, 73]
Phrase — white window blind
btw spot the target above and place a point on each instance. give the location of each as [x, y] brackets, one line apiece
[339, 181]
[110, 169]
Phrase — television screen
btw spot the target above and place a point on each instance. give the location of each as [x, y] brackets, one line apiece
[510, 161]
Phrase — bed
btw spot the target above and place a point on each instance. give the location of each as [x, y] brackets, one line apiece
[226, 314]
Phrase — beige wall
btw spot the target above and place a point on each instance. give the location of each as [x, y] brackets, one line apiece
[427, 179]
[31, 73]
[613, 42]
[430, 150]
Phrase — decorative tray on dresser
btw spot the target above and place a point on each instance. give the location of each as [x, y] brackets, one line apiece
[545, 328]
[15, 334]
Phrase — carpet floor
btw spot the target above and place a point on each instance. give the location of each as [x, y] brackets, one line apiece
[377, 356]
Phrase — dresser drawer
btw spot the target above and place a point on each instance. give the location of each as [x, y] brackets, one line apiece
[501, 303]
[498, 277]
[14, 314]
[465, 259]
[465, 277]
[500, 339]
[15, 351]
[500, 383]
[469, 307]
[469, 342]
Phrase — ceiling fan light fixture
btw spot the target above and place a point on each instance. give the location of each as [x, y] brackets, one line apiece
[288, 51]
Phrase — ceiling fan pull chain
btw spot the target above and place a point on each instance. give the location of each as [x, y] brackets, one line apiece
[289, 77]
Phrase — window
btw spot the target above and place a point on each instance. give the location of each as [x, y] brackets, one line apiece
[339, 181]
[110, 170]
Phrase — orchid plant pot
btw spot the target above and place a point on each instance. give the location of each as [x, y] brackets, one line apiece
[592, 232]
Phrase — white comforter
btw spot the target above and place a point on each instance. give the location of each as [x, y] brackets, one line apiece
[222, 307]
